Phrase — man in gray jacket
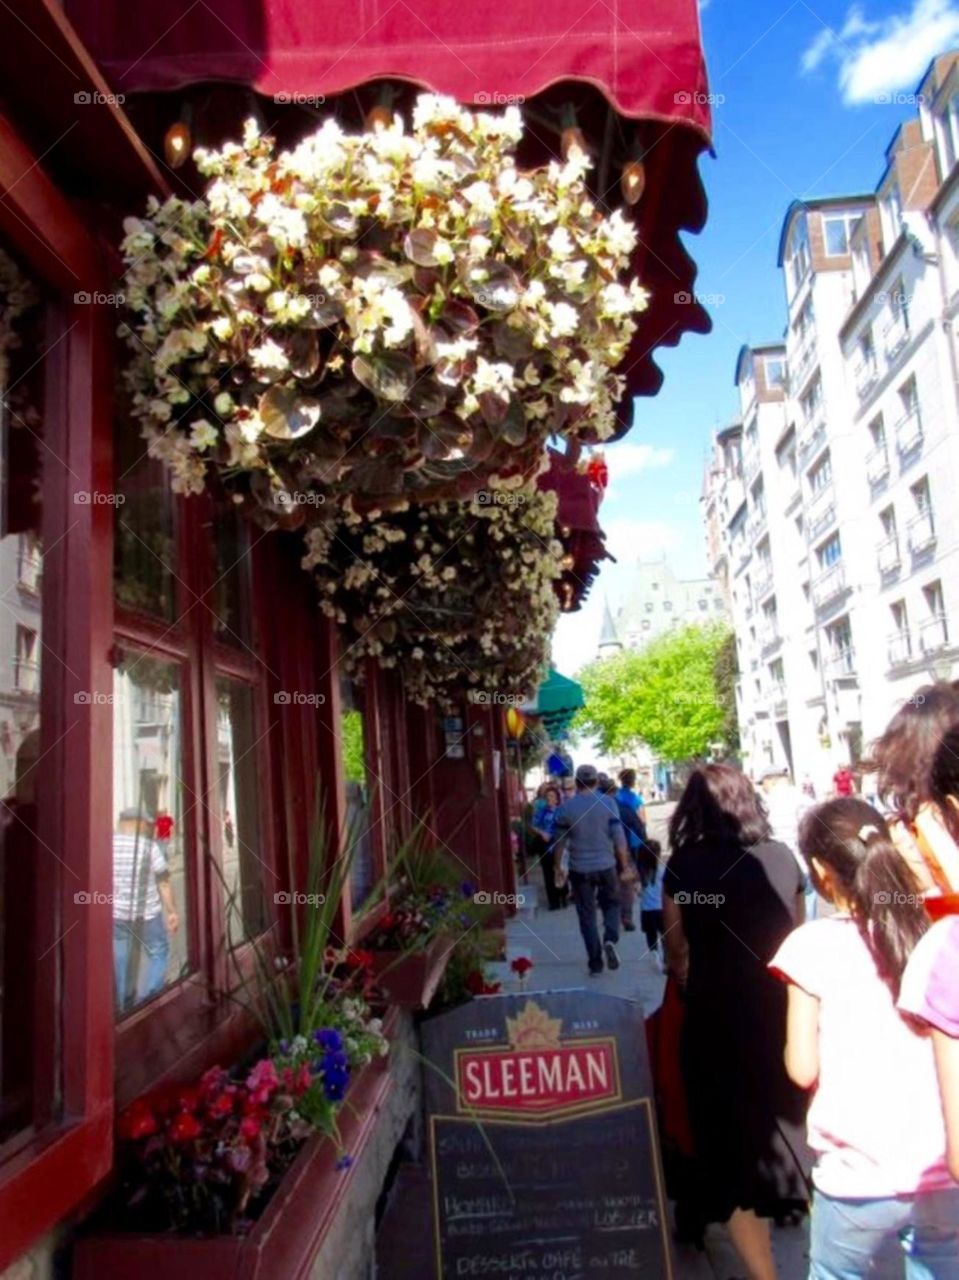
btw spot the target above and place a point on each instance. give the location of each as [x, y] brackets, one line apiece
[591, 841]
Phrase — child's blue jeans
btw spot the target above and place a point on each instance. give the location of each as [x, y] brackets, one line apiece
[916, 1237]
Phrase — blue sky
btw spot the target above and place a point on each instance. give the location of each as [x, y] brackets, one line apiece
[808, 98]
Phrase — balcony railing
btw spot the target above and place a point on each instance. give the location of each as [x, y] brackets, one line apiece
[30, 571]
[751, 467]
[803, 362]
[762, 582]
[921, 533]
[909, 432]
[810, 435]
[934, 633]
[770, 637]
[888, 555]
[894, 337]
[829, 584]
[843, 662]
[866, 375]
[877, 463]
[900, 648]
[777, 697]
[821, 510]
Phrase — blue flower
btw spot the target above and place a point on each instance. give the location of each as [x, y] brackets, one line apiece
[284, 1046]
[329, 1038]
[344, 1162]
[467, 888]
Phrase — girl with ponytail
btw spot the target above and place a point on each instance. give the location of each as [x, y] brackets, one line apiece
[884, 1203]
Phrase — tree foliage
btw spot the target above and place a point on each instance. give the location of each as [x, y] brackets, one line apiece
[672, 695]
[727, 669]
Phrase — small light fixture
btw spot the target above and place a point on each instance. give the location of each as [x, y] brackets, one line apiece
[379, 118]
[572, 140]
[632, 181]
[177, 142]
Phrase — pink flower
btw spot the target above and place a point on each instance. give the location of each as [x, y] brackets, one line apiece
[262, 1081]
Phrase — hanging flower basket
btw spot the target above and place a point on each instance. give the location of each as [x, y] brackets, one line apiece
[458, 595]
[388, 315]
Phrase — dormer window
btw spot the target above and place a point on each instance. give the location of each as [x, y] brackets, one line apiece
[836, 233]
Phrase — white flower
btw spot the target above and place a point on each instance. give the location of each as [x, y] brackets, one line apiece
[203, 434]
[269, 357]
[561, 243]
[563, 319]
[497, 377]
[479, 196]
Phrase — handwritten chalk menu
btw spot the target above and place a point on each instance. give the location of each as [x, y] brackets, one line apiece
[543, 1146]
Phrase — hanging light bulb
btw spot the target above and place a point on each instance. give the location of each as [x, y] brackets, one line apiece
[632, 181]
[568, 561]
[572, 143]
[378, 118]
[176, 144]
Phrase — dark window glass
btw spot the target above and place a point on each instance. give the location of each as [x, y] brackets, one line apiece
[26, 787]
[231, 578]
[144, 555]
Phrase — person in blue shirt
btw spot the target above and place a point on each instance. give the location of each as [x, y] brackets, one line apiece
[632, 814]
[652, 870]
[590, 834]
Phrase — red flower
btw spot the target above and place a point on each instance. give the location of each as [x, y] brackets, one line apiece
[137, 1121]
[359, 959]
[521, 965]
[222, 1104]
[184, 1128]
[250, 1126]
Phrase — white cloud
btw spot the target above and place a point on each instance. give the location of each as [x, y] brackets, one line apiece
[629, 459]
[878, 58]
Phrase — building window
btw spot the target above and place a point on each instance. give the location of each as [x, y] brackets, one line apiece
[704, 604]
[821, 475]
[934, 632]
[667, 606]
[830, 552]
[891, 205]
[646, 624]
[648, 606]
[800, 251]
[836, 231]
[841, 654]
[775, 373]
[194, 881]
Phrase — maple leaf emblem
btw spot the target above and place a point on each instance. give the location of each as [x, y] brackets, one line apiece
[533, 1028]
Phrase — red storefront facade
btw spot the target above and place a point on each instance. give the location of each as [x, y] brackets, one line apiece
[222, 625]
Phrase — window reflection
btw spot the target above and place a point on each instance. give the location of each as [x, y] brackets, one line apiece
[238, 812]
[149, 860]
[358, 791]
[21, 652]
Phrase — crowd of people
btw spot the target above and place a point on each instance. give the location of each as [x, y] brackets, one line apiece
[813, 949]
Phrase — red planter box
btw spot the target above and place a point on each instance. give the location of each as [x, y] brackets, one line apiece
[287, 1237]
[409, 980]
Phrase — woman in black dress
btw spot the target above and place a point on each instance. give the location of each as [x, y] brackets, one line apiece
[731, 896]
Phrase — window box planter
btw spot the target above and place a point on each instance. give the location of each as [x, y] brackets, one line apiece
[409, 979]
[288, 1235]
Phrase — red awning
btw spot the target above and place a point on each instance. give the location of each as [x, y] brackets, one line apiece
[644, 60]
[578, 528]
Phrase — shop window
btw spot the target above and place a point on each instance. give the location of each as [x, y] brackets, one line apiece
[238, 811]
[27, 1085]
[152, 893]
[354, 744]
[193, 871]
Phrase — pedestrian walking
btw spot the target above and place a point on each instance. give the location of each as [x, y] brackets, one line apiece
[843, 781]
[904, 757]
[652, 869]
[785, 805]
[732, 895]
[885, 1204]
[544, 824]
[144, 910]
[590, 840]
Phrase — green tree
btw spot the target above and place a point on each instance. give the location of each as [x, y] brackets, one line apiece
[727, 669]
[668, 695]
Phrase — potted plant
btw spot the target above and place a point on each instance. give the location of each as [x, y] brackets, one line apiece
[430, 907]
[237, 1173]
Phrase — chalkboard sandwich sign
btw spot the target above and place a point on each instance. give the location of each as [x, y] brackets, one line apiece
[543, 1147]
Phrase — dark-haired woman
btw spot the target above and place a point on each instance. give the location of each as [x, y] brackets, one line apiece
[903, 758]
[732, 896]
[885, 1205]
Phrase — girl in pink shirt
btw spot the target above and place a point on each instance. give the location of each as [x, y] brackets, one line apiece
[885, 1204]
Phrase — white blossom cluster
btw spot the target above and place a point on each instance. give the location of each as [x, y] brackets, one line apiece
[459, 595]
[391, 313]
